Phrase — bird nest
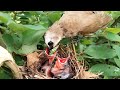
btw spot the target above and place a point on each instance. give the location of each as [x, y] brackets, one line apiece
[36, 67]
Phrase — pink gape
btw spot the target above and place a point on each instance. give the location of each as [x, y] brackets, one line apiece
[61, 67]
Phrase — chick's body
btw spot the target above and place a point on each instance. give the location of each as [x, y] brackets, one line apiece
[74, 23]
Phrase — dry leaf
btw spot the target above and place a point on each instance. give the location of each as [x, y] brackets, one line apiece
[89, 75]
[32, 58]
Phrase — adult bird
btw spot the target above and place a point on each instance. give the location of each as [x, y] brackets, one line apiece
[73, 23]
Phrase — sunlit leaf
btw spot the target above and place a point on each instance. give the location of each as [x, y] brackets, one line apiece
[4, 17]
[87, 41]
[113, 30]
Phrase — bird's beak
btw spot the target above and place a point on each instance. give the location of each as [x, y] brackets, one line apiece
[52, 57]
[50, 47]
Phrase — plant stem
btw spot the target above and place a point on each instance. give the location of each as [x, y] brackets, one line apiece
[74, 50]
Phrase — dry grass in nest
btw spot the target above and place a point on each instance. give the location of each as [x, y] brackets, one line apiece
[35, 60]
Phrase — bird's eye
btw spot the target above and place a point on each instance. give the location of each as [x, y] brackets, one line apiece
[93, 12]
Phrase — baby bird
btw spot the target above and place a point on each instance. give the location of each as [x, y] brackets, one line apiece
[73, 23]
[61, 69]
[48, 64]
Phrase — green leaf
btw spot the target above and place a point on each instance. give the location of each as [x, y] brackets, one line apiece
[2, 43]
[32, 36]
[115, 14]
[65, 41]
[35, 27]
[25, 43]
[44, 20]
[105, 69]
[113, 30]
[17, 40]
[9, 42]
[112, 37]
[21, 28]
[117, 50]
[13, 43]
[86, 41]
[25, 49]
[17, 27]
[117, 61]
[19, 60]
[54, 16]
[82, 47]
[4, 17]
[5, 73]
[100, 51]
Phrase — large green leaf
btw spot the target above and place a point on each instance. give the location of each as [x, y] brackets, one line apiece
[25, 49]
[32, 36]
[117, 50]
[17, 27]
[115, 14]
[107, 70]
[27, 43]
[4, 17]
[44, 20]
[112, 36]
[102, 51]
[35, 27]
[21, 28]
[8, 39]
[117, 61]
[30, 40]
[17, 40]
[113, 30]
[13, 42]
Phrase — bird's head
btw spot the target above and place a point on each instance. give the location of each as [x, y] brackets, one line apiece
[52, 39]
[53, 35]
